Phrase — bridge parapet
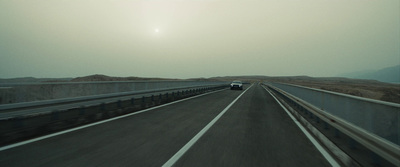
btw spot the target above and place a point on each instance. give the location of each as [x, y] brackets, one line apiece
[378, 117]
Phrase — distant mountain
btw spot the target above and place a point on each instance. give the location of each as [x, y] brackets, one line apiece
[389, 74]
[90, 78]
[100, 77]
[33, 80]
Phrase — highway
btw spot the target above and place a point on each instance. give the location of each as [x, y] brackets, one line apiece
[222, 128]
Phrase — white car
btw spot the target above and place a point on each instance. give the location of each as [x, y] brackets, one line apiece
[237, 85]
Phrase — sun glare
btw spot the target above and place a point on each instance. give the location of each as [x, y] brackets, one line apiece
[156, 30]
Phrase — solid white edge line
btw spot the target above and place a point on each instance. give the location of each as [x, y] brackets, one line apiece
[188, 145]
[97, 123]
[321, 149]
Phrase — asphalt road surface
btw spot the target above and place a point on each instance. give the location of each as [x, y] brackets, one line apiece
[252, 131]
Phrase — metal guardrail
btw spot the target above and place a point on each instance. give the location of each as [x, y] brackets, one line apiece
[16, 106]
[377, 117]
[25, 92]
[344, 112]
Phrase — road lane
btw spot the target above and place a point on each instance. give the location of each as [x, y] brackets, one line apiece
[256, 131]
[188, 145]
[146, 139]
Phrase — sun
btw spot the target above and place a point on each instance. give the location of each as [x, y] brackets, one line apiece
[156, 30]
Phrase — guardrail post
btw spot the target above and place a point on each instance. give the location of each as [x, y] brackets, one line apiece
[102, 114]
[132, 101]
[81, 117]
[152, 100]
[144, 105]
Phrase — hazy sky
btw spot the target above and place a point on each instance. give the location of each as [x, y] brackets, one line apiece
[197, 38]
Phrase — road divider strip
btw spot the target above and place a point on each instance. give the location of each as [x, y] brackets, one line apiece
[188, 145]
